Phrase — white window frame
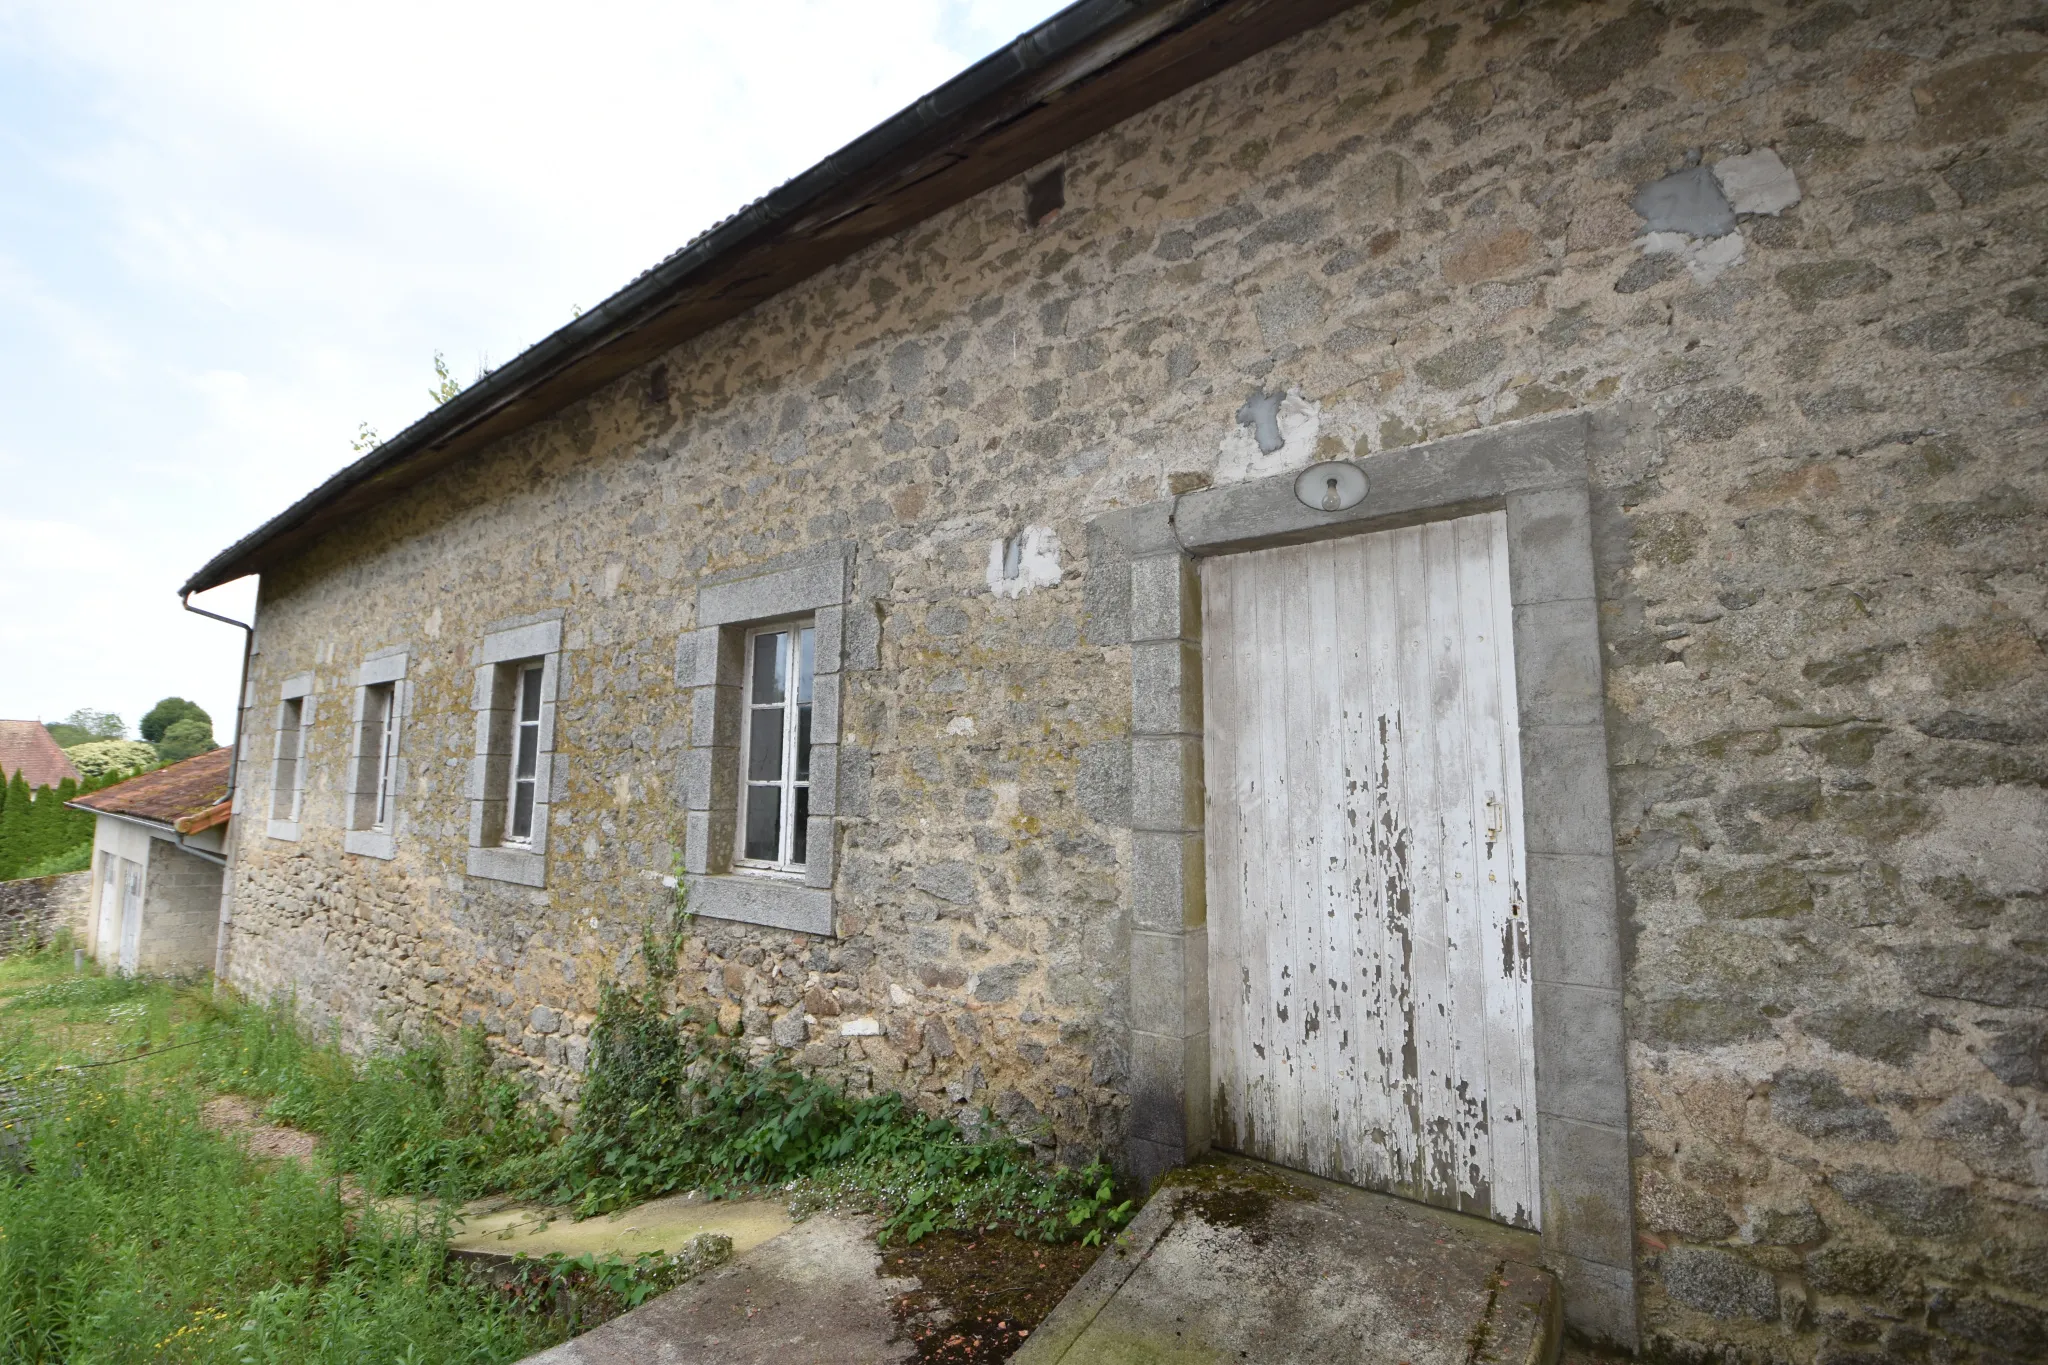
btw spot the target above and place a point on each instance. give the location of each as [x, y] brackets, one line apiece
[387, 756]
[376, 775]
[504, 658]
[294, 702]
[797, 700]
[523, 769]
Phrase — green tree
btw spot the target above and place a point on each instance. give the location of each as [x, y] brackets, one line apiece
[49, 825]
[14, 817]
[84, 726]
[187, 737]
[168, 712]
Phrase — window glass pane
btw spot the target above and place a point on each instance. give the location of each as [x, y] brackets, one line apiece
[764, 745]
[803, 813]
[529, 694]
[522, 810]
[803, 743]
[764, 823]
[529, 752]
[803, 663]
[771, 653]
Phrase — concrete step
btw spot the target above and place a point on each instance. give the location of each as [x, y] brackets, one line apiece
[813, 1295]
[1236, 1261]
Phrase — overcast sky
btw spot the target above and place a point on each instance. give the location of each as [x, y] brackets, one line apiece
[232, 232]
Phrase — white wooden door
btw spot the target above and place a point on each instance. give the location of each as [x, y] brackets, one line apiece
[1370, 1012]
[106, 936]
[131, 916]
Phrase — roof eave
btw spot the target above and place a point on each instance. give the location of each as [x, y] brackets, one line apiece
[945, 147]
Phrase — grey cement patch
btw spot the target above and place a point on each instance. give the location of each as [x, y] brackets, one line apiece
[1685, 201]
[1248, 1262]
[812, 1296]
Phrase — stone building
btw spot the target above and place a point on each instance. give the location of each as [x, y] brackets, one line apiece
[1697, 351]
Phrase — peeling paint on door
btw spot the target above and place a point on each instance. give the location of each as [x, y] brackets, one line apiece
[1365, 865]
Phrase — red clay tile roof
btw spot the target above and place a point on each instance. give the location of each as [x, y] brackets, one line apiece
[168, 794]
[26, 747]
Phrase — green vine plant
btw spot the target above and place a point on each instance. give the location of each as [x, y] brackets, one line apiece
[671, 1102]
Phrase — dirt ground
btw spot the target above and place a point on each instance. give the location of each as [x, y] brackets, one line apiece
[992, 1288]
[242, 1119]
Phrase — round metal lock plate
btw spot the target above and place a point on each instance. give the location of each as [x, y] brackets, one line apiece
[1332, 486]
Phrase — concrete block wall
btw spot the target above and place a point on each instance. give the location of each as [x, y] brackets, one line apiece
[1818, 542]
[180, 912]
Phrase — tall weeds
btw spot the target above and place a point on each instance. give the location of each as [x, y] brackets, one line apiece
[131, 1232]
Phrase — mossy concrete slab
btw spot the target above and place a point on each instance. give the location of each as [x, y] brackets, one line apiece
[814, 1295]
[658, 1225]
[1234, 1261]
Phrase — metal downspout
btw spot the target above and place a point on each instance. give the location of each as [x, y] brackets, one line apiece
[228, 846]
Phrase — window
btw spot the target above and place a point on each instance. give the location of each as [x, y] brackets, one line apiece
[525, 764]
[289, 756]
[284, 789]
[376, 779]
[517, 773]
[776, 748]
[761, 780]
[385, 709]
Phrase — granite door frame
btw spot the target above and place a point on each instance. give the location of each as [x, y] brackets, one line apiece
[1537, 473]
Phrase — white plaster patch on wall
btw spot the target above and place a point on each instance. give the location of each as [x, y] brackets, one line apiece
[1758, 182]
[960, 725]
[867, 1026]
[1271, 434]
[1705, 258]
[1023, 562]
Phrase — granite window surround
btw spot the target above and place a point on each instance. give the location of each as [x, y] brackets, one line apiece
[814, 586]
[505, 650]
[292, 723]
[1538, 474]
[364, 835]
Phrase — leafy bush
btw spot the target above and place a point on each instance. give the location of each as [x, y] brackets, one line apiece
[669, 1103]
[104, 757]
[74, 859]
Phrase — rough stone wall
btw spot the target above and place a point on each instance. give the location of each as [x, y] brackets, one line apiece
[1820, 553]
[34, 909]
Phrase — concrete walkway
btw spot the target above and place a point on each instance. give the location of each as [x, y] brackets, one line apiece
[812, 1295]
[1245, 1262]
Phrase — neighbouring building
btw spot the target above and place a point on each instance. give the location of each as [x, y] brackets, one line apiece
[158, 851]
[26, 747]
[1447, 594]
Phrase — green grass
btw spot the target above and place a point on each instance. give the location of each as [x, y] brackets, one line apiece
[129, 1230]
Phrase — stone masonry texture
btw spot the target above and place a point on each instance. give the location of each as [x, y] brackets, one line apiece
[34, 910]
[1818, 490]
